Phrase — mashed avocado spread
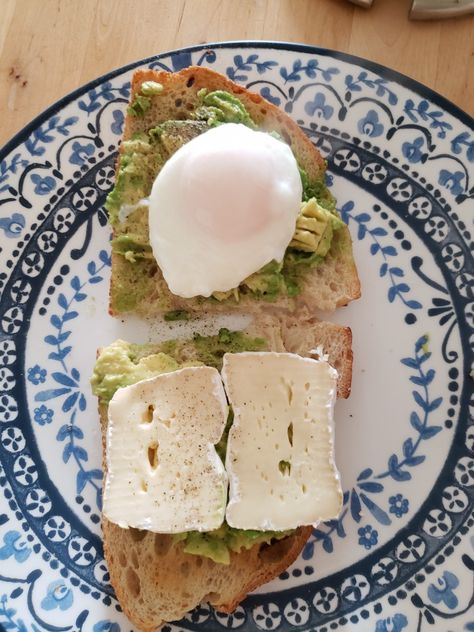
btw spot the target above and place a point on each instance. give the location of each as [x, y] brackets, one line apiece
[142, 158]
[122, 364]
[222, 107]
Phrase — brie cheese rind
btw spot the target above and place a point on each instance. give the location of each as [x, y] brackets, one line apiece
[280, 450]
[164, 474]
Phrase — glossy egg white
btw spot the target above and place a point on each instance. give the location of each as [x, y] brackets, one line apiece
[224, 205]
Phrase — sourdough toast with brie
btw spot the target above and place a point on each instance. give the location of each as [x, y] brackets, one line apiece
[170, 110]
[154, 577]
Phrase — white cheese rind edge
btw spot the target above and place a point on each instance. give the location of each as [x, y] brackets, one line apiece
[127, 507]
[243, 515]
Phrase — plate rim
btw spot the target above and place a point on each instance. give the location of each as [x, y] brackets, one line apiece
[389, 73]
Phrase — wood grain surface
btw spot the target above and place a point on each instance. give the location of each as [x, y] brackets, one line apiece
[50, 47]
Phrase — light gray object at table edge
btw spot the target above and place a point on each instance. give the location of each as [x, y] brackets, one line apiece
[435, 9]
[431, 9]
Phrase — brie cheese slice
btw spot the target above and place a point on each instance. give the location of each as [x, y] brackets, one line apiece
[280, 450]
[164, 474]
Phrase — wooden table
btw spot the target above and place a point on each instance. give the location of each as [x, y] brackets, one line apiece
[50, 47]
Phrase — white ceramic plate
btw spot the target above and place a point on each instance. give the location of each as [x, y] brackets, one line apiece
[400, 557]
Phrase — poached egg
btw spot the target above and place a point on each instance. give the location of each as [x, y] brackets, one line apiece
[223, 206]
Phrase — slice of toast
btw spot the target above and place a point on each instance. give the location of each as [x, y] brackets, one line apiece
[139, 287]
[153, 578]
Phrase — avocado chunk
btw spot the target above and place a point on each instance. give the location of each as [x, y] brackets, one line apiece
[142, 101]
[150, 88]
[172, 135]
[177, 314]
[268, 282]
[139, 105]
[117, 366]
[211, 349]
[218, 544]
[139, 162]
[314, 228]
[131, 247]
[219, 107]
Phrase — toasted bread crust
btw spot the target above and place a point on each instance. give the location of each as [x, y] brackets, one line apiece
[155, 580]
[332, 284]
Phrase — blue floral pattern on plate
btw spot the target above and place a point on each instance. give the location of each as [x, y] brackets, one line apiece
[400, 162]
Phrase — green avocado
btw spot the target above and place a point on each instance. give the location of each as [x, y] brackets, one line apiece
[139, 106]
[176, 314]
[218, 544]
[150, 88]
[174, 134]
[140, 160]
[142, 101]
[211, 349]
[314, 228]
[131, 247]
[221, 447]
[268, 282]
[319, 190]
[122, 364]
[118, 366]
[220, 107]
